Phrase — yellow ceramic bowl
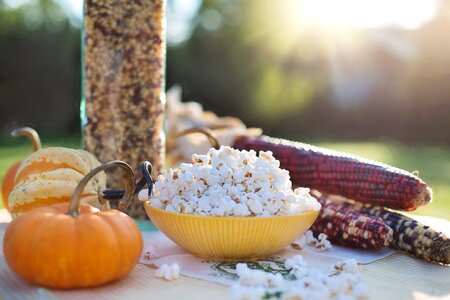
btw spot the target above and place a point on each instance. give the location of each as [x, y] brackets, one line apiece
[231, 238]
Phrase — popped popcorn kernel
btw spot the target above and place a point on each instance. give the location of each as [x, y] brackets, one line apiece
[310, 239]
[239, 292]
[349, 266]
[249, 277]
[294, 261]
[321, 243]
[168, 272]
[324, 244]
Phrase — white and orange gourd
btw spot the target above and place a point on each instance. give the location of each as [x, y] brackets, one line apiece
[50, 175]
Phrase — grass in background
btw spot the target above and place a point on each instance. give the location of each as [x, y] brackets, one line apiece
[433, 164]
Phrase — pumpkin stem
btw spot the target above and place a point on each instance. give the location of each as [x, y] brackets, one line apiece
[146, 170]
[31, 134]
[129, 188]
[205, 131]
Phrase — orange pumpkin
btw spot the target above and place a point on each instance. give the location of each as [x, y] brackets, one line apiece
[68, 245]
[50, 175]
[10, 174]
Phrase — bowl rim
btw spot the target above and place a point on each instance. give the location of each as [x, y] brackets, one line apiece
[176, 214]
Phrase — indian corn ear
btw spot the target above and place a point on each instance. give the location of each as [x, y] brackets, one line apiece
[347, 227]
[409, 235]
[343, 174]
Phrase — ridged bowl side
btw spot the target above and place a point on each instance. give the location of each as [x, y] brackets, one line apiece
[231, 238]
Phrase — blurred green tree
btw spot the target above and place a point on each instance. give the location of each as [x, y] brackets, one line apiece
[39, 68]
[241, 67]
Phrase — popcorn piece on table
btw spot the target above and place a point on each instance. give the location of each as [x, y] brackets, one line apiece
[310, 239]
[349, 265]
[297, 266]
[300, 243]
[249, 277]
[147, 255]
[294, 261]
[321, 244]
[168, 272]
[310, 284]
[229, 182]
[150, 253]
[324, 244]
[239, 292]
[360, 291]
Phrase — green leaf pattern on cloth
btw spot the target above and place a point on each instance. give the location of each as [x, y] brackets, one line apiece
[227, 270]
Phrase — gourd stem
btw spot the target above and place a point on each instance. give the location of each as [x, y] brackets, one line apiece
[31, 134]
[205, 131]
[146, 171]
[129, 187]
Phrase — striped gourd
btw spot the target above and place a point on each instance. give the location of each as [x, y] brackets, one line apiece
[50, 175]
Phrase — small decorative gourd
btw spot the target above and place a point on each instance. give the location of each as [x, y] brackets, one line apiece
[50, 175]
[10, 174]
[73, 245]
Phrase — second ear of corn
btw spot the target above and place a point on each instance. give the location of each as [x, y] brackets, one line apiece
[405, 233]
[409, 235]
[348, 227]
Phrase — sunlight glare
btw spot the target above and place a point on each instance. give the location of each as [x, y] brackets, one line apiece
[361, 14]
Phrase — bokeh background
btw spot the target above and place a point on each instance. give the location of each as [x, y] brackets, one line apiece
[368, 77]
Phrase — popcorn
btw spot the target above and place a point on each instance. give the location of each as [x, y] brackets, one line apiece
[294, 261]
[143, 195]
[229, 182]
[311, 284]
[297, 293]
[361, 291]
[300, 243]
[321, 244]
[249, 277]
[322, 236]
[349, 266]
[241, 210]
[239, 292]
[310, 239]
[168, 272]
[297, 266]
[255, 205]
[324, 244]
